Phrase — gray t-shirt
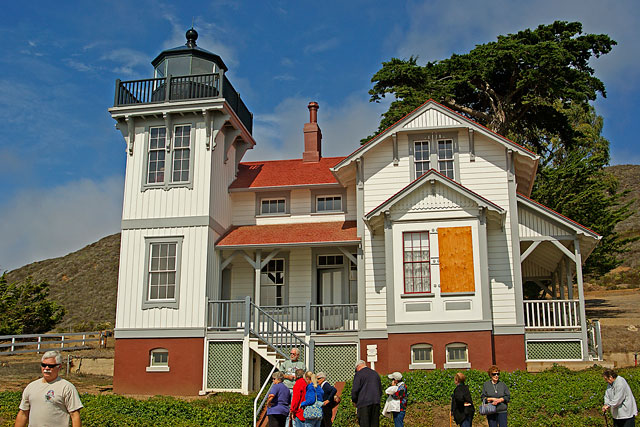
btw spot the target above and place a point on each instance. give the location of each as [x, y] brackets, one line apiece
[49, 404]
[289, 368]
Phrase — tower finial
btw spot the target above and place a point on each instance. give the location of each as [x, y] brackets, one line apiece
[192, 36]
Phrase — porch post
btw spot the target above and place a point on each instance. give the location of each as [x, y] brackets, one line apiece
[388, 266]
[567, 268]
[257, 269]
[246, 350]
[583, 316]
[561, 279]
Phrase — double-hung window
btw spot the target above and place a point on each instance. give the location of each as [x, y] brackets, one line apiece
[162, 275]
[168, 164]
[162, 272]
[445, 157]
[417, 271]
[156, 161]
[181, 153]
[433, 151]
[421, 153]
[457, 356]
[272, 283]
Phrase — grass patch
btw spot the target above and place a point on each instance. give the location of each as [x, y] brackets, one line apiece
[556, 397]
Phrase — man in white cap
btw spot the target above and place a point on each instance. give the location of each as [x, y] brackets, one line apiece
[330, 399]
[397, 400]
[50, 400]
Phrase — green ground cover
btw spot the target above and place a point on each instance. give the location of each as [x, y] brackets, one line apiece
[557, 397]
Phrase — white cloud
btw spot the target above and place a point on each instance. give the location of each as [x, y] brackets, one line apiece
[438, 28]
[126, 60]
[41, 223]
[279, 134]
[322, 45]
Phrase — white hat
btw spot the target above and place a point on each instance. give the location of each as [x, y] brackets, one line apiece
[395, 376]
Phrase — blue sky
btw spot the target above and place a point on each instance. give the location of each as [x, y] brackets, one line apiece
[62, 161]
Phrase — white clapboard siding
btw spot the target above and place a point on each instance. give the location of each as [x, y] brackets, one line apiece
[193, 275]
[431, 118]
[158, 203]
[375, 281]
[532, 224]
[300, 276]
[244, 208]
[222, 175]
[382, 178]
[352, 210]
[500, 275]
[300, 202]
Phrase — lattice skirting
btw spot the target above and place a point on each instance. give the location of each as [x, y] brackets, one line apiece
[224, 367]
[336, 360]
[554, 350]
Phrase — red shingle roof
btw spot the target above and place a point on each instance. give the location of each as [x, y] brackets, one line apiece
[287, 234]
[279, 173]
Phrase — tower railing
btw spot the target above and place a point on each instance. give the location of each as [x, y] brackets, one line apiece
[182, 88]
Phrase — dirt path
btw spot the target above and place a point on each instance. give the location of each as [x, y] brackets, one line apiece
[619, 315]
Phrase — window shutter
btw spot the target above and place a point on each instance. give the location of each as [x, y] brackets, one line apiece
[456, 259]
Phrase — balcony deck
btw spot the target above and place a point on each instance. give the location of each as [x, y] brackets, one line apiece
[300, 319]
[182, 88]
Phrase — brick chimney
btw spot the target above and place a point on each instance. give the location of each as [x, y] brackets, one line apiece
[312, 136]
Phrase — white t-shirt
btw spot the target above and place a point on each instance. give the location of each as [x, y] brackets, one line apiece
[49, 404]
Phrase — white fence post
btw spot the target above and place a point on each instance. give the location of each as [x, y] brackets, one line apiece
[39, 342]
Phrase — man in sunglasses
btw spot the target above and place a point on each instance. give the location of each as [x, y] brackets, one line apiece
[288, 368]
[50, 400]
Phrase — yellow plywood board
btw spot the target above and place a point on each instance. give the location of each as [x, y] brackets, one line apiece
[456, 259]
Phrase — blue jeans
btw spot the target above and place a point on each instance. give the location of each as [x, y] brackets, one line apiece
[313, 423]
[297, 422]
[398, 419]
[497, 420]
[466, 422]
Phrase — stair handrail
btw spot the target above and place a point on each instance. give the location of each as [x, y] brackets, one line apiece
[257, 409]
[255, 330]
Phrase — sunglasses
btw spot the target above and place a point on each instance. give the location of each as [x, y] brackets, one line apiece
[495, 374]
[48, 365]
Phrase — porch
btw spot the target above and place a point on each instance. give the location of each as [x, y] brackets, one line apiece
[552, 251]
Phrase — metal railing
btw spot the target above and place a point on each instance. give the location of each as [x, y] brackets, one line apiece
[39, 343]
[552, 314]
[594, 339]
[300, 319]
[257, 409]
[181, 88]
[274, 333]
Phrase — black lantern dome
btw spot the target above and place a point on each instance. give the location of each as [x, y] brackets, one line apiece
[187, 60]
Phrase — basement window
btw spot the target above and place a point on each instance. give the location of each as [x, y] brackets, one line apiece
[159, 360]
[422, 357]
[457, 356]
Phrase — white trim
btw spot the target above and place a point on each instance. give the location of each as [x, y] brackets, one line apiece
[157, 369]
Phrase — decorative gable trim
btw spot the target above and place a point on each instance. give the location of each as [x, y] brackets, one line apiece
[432, 118]
[553, 216]
[435, 177]
[439, 112]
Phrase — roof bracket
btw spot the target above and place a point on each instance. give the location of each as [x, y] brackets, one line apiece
[396, 158]
[131, 133]
[472, 147]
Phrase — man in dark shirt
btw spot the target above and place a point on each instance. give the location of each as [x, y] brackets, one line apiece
[330, 399]
[365, 394]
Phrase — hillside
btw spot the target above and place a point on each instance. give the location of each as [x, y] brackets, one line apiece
[629, 178]
[84, 282]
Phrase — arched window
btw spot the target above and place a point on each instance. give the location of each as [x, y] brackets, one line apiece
[457, 354]
[158, 360]
[422, 357]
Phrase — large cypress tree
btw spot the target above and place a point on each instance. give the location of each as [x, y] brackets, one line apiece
[533, 87]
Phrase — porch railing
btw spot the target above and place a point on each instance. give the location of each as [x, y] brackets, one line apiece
[181, 88]
[300, 319]
[552, 315]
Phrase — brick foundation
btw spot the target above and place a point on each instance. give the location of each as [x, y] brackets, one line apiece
[132, 357]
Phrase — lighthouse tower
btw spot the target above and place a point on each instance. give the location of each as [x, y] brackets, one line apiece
[186, 130]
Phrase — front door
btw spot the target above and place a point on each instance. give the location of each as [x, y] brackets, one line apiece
[330, 289]
[330, 286]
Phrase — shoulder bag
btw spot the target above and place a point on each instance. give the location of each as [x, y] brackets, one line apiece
[313, 412]
[487, 408]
